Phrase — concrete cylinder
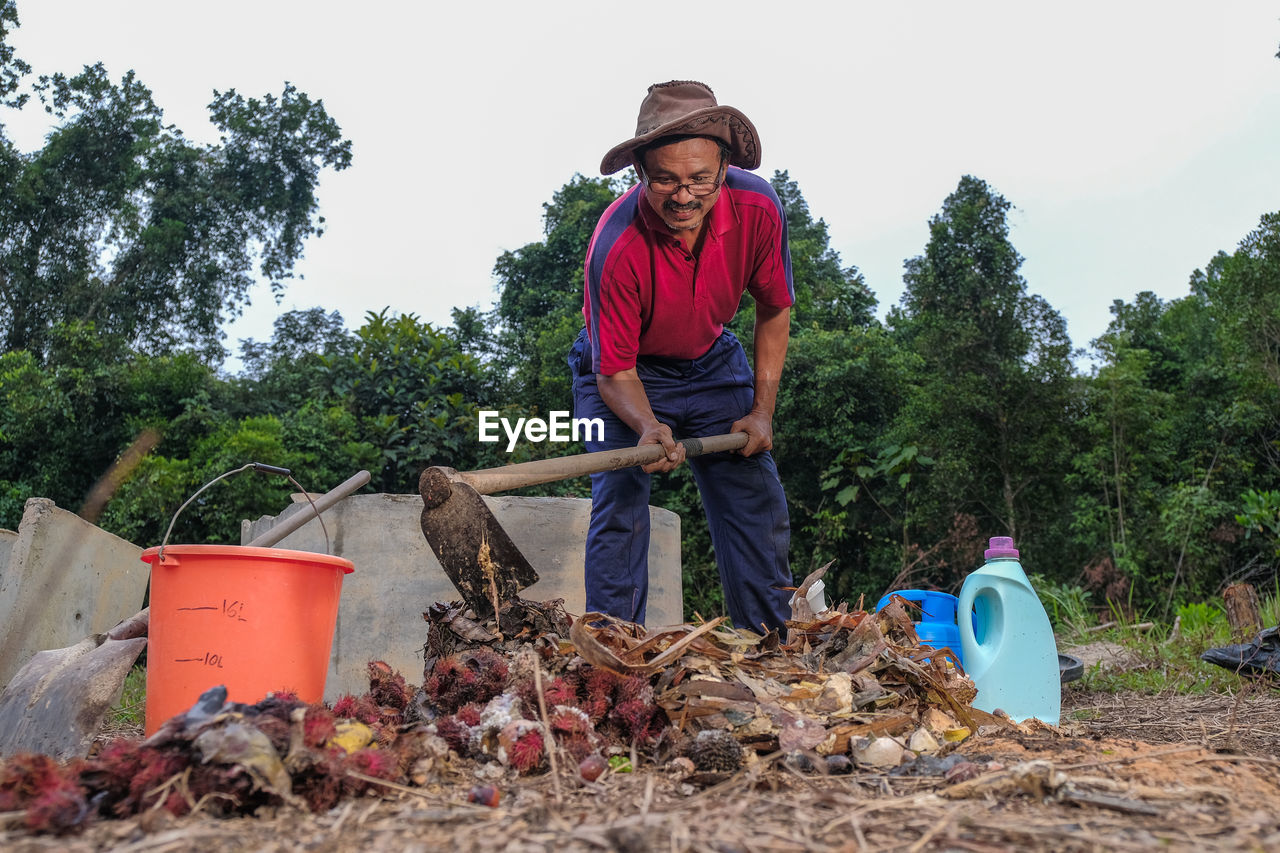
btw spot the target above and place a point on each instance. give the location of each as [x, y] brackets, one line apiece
[397, 577]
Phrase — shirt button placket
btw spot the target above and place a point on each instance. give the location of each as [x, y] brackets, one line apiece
[693, 267]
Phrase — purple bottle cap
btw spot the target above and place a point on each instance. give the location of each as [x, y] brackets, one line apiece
[1001, 547]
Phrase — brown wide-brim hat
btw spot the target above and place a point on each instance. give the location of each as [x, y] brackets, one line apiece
[687, 108]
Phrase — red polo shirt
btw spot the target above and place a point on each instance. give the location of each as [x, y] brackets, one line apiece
[646, 295]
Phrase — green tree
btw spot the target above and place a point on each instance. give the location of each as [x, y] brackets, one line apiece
[393, 397]
[841, 392]
[65, 421]
[1244, 291]
[1179, 429]
[1127, 434]
[1225, 435]
[12, 69]
[992, 400]
[320, 444]
[287, 372]
[539, 309]
[414, 393]
[1261, 516]
[121, 222]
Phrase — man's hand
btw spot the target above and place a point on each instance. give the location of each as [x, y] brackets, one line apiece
[624, 394]
[758, 426]
[660, 433]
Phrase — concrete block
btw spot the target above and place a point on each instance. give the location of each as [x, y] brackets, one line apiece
[7, 538]
[64, 580]
[397, 577]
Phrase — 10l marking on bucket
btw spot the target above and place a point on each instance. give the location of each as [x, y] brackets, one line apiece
[209, 658]
[229, 609]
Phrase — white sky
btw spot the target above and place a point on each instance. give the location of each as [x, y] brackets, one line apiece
[1135, 139]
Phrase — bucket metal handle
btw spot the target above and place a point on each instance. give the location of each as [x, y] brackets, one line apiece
[262, 468]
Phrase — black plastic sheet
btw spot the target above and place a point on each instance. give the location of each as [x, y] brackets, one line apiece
[1260, 657]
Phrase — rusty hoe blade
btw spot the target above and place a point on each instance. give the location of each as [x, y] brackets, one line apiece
[473, 549]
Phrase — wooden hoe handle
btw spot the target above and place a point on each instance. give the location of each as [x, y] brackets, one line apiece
[490, 481]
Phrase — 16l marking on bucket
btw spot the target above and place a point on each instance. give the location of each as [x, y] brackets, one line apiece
[232, 610]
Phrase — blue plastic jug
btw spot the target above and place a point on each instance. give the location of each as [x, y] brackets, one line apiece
[937, 625]
[1008, 645]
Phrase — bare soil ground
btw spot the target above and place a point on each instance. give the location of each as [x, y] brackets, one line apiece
[1123, 772]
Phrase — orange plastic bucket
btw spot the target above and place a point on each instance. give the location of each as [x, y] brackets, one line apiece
[256, 620]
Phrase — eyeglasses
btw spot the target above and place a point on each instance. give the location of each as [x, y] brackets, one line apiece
[669, 186]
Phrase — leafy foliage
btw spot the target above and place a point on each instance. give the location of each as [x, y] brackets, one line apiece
[539, 309]
[12, 69]
[121, 222]
[1175, 427]
[413, 391]
[1244, 291]
[991, 401]
[1069, 607]
[1261, 515]
[64, 422]
[839, 395]
[286, 373]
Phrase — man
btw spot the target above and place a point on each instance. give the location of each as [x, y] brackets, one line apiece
[666, 269]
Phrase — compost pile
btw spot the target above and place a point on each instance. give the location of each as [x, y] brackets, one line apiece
[530, 692]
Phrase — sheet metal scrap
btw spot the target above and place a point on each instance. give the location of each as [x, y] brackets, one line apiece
[56, 702]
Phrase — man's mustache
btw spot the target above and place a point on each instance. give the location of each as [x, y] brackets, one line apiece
[692, 205]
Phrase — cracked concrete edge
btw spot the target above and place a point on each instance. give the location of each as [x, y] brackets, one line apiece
[64, 579]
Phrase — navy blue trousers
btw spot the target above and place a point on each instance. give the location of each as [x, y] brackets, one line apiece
[742, 496]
